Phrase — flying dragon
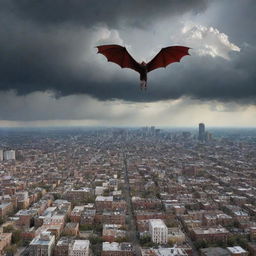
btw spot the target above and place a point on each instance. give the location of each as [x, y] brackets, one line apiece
[119, 55]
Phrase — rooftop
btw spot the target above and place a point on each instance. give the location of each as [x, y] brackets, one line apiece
[104, 198]
[106, 246]
[81, 245]
[236, 250]
[170, 252]
[157, 223]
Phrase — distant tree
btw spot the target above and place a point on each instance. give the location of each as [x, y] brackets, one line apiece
[242, 242]
[86, 227]
[231, 241]
[95, 240]
[8, 229]
[56, 196]
[221, 243]
[10, 250]
[121, 239]
[144, 240]
[200, 244]
[40, 195]
[98, 227]
[236, 224]
[170, 243]
[16, 236]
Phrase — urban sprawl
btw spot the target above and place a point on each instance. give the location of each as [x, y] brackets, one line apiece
[126, 192]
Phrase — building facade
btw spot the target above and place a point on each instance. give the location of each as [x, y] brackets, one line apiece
[42, 245]
[80, 248]
[158, 231]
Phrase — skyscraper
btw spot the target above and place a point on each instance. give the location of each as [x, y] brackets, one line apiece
[201, 134]
[1, 155]
[9, 155]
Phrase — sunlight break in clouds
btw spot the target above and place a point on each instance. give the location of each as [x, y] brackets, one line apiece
[208, 41]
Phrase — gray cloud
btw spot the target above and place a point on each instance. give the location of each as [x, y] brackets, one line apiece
[88, 12]
[237, 18]
[42, 109]
[49, 46]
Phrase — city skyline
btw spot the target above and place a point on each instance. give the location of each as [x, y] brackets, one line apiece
[127, 192]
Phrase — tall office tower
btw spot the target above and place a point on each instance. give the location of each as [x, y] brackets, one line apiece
[9, 155]
[152, 130]
[1, 155]
[201, 134]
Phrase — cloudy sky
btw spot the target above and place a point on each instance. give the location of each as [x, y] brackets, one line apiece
[51, 74]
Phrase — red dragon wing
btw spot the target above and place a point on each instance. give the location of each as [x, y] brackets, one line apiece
[119, 55]
[167, 56]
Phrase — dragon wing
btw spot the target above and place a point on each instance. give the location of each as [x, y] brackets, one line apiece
[167, 56]
[119, 55]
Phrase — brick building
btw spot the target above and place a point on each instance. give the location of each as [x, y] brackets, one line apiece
[116, 249]
[103, 203]
[113, 218]
[71, 229]
[210, 234]
[42, 245]
[5, 240]
[5, 209]
[111, 232]
[80, 248]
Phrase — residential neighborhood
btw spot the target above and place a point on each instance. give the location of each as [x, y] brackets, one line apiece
[127, 192]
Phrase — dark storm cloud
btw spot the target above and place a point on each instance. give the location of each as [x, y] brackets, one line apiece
[110, 12]
[237, 18]
[42, 43]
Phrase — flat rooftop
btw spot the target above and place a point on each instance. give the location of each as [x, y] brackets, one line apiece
[157, 223]
[81, 245]
[236, 250]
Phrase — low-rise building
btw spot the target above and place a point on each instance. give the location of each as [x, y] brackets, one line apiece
[63, 246]
[5, 209]
[176, 236]
[103, 203]
[111, 232]
[158, 231]
[79, 195]
[71, 229]
[88, 216]
[117, 249]
[210, 234]
[5, 240]
[237, 251]
[80, 248]
[76, 213]
[214, 251]
[42, 245]
[113, 217]
[251, 248]
[164, 252]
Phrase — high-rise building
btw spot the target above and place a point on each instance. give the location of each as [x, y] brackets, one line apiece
[201, 134]
[1, 155]
[9, 155]
[152, 130]
[158, 231]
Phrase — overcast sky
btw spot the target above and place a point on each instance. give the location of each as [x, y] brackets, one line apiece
[51, 74]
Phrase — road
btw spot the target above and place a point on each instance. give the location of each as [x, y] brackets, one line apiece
[132, 231]
[22, 251]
